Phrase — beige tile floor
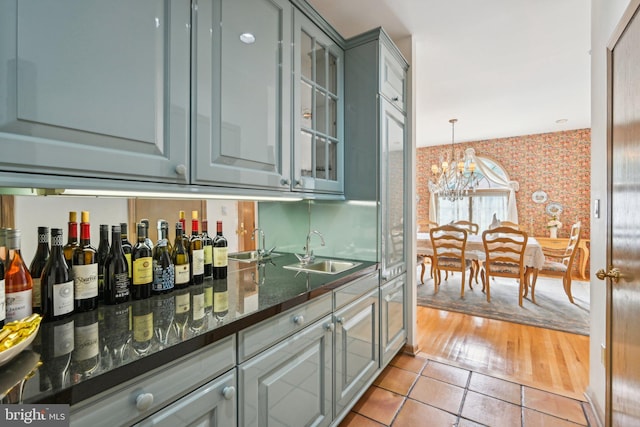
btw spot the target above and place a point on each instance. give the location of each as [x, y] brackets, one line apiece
[417, 391]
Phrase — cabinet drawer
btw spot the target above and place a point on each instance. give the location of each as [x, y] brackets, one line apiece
[354, 290]
[144, 395]
[392, 78]
[263, 335]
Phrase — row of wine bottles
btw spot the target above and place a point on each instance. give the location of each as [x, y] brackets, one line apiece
[73, 277]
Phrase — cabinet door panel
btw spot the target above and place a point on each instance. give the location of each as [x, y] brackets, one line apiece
[393, 318]
[242, 78]
[289, 384]
[356, 348]
[96, 89]
[393, 78]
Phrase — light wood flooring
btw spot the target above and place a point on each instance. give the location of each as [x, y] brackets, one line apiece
[516, 374]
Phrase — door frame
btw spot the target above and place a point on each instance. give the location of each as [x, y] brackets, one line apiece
[630, 12]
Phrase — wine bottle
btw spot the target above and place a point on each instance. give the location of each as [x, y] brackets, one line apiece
[3, 308]
[220, 259]
[3, 245]
[37, 265]
[196, 251]
[164, 224]
[163, 268]
[103, 253]
[127, 247]
[197, 317]
[142, 263]
[220, 298]
[57, 300]
[17, 280]
[84, 269]
[85, 358]
[180, 259]
[148, 241]
[116, 271]
[142, 320]
[72, 238]
[185, 237]
[207, 242]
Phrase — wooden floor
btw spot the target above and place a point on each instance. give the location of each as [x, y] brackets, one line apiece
[542, 358]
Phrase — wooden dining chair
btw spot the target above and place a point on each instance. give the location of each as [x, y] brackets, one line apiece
[471, 227]
[559, 263]
[449, 243]
[510, 224]
[423, 227]
[504, 249]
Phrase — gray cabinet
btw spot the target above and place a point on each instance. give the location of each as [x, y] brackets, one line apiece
[214, 404]
[393, 77]
[356, 350]
[318, 149]
[241, 93]
[393, 318]
[95, 90]
[290, 383]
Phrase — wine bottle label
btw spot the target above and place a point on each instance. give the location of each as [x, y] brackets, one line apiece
[121, 281]
[35, 293]
[208, 254]
[85, 281]
[63, 339]
[3, 307]
[163, 278]
[182, 274]
[220, 258]
[198, 306]
[198, 261]
[208, 297]
[143, 327]
[182, 303]
[18, 305]
[128, 257]
[143, 271]
[221, 301]
[86, 342]
[63, 298]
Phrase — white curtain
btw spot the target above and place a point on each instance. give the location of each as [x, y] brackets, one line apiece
[482, 167]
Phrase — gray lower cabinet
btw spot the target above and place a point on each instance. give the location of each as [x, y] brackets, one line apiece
[357, 352]
[393, 318]
[290, 383]
[214, 404]
[96, 90]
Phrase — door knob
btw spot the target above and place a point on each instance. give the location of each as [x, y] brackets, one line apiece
[613, 274]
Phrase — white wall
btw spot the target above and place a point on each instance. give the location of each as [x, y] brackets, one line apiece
[605, 15]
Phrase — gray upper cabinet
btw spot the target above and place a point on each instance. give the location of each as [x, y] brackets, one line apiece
[241, 93]
[318, 149]
[95, 89]
[393, 78]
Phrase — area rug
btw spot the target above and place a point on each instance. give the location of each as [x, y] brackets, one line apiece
[552, 309]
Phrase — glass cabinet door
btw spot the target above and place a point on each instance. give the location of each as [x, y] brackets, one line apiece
[318, 147]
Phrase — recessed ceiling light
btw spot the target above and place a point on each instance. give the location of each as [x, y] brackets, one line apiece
[559, 121]
[247, 38]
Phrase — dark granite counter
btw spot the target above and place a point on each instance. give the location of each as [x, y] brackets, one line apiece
[91, 352]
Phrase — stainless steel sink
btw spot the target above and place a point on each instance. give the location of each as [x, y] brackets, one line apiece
[251, 256]
[325, 266]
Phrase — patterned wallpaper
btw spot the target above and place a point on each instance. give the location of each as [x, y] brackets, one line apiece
[558, 163]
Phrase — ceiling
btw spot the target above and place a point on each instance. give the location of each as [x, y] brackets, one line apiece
[501, 67]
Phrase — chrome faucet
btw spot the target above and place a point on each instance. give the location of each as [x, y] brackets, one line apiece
[308, 255]
[262, 252]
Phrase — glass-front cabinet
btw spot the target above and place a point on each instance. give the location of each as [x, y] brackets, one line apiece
[317, 111]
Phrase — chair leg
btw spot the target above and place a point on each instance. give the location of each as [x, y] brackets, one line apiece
[533, 285]
[422, 272]
[567, 286]
[470, 277]
[522, 285]
[462, 284]
[486, 279]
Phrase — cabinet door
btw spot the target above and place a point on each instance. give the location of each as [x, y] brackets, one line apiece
[289, 384]
[357, 351]
[392, 78]
[95, 89]
[392, 132]
[393, 322]
[317, 112]
[213, 404]
[241, 93]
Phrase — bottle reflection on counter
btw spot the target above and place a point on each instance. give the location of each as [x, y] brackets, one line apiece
[181, 317]
[57, 346]
[220, 298]
[85, 358]
[197, 318]
[142, 321]
[115, 335]
[164, 308]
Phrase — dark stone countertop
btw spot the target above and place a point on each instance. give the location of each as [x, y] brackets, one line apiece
[88, 353]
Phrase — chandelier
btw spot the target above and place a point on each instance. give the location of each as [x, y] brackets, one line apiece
[455, 176]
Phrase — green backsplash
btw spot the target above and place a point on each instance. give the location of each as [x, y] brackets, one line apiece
[349, 229]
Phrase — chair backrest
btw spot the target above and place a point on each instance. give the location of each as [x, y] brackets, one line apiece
[448, 242]
[471, 227]
[504, 249]
[574, 239]
[510, 224]
[425, 225]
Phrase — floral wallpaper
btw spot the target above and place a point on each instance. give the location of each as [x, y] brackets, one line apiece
[558, 163]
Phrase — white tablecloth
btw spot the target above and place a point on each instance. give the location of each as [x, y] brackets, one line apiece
[533, 255]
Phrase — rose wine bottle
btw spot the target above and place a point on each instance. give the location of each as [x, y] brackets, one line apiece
[72, 237]
[142, 264]
[116, 271]
[196, 251]
[220, 259]
[84, 269]
[17, 280]
[57, 300]
[37, 265]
